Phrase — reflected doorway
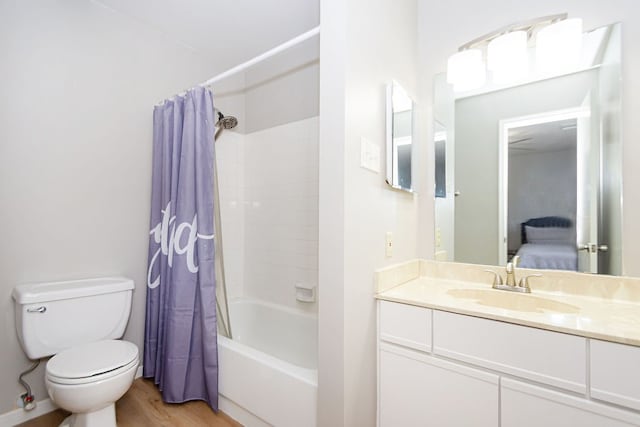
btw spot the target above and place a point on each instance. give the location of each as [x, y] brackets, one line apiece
[550, 178]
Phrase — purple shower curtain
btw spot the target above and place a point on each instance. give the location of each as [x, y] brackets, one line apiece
[180, 347]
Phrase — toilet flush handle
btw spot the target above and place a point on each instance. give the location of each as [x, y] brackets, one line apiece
[40, 309]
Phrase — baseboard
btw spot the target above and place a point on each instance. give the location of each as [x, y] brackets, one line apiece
[18, 416]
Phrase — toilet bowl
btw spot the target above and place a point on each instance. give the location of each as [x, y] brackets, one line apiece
[88, 379]
[79, 323]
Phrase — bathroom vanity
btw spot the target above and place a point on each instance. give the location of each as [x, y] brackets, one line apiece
[452, 351]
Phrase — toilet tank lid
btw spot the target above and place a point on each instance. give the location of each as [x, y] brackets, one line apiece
[52, 291]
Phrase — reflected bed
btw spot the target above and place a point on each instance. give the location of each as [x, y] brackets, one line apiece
[548, 243]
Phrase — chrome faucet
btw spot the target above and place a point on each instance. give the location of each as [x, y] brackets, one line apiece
[511, 284]
[511, 271]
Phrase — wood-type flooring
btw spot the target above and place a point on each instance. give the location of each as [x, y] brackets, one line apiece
[142, 406]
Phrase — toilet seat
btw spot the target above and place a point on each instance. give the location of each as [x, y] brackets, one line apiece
[92, 362]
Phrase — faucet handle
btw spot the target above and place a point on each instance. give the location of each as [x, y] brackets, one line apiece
[524, 282]
[497, 278]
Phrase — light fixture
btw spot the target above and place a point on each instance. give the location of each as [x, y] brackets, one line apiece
[559, 46]
[507, 57]
[466, 70]
[558, 49]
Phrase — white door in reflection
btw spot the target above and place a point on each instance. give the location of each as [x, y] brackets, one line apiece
[549, 185]
[588, 155]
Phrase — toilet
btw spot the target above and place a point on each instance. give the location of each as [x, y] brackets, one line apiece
[79, 323]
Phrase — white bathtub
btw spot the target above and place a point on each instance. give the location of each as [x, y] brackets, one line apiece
[268, 372]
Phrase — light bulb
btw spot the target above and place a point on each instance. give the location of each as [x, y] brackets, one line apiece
[465, 70]
[507, 57]
[559, 47]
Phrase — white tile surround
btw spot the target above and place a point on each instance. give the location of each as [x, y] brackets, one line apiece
[230, 164]
[269, 194]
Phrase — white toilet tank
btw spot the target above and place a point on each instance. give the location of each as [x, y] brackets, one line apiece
[54, 316]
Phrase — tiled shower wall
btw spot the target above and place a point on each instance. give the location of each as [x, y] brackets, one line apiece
[230, 171]
[269, 201]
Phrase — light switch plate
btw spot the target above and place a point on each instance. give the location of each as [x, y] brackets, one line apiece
[369, 155]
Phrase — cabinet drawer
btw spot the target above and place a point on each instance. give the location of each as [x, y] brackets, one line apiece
[406, 325]
[419, 390]
[547, 357]
[525, 405]
[615, 373]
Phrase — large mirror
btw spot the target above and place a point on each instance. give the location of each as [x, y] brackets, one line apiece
[399, 137]
[534, 169]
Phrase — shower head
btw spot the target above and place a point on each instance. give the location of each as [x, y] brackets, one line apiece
[226, 122]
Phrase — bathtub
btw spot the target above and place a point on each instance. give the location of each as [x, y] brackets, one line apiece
[268, 372]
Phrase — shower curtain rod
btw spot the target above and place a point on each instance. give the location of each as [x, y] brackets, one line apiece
[268, 54]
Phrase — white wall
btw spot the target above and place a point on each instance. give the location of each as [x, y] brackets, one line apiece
[268, 176]
[540, 184]
[364, 45]
[78, 86]
[281, 176]
[269, 203]
[444, 26]
[283, 89]
[281, 212]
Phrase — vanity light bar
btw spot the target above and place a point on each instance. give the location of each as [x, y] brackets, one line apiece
[507, 56]
[558, 48]
[529, 26]
[466, 70]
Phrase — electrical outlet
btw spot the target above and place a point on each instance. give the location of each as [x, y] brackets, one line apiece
[388, 246]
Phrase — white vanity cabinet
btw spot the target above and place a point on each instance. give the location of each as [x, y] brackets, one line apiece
[437, 368]
[416, 389]
[543, 356]
[615, 373]
[406, 325]
[419, 390]
[526, 405]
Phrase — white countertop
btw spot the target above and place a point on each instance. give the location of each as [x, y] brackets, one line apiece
[603, 311]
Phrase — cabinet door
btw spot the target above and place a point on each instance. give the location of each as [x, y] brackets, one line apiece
[524, 405]
[418, 390]
[615, 373]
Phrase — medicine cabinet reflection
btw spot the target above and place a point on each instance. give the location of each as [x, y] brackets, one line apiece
[399, 137]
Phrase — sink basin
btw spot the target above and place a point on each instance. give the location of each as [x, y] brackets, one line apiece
[513, 301]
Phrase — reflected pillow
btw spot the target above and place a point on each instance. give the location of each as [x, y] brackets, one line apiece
[548, 234]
